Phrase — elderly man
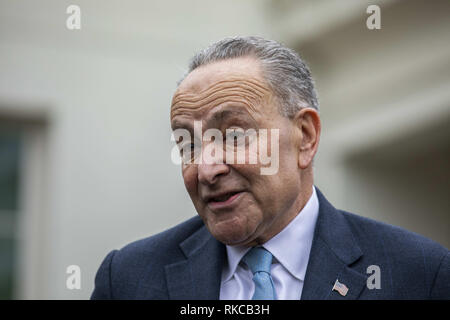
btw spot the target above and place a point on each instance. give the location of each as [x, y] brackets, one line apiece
[264, 234]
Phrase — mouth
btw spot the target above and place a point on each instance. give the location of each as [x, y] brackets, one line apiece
[223, 200]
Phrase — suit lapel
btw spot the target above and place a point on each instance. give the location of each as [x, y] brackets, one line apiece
[333, 251]
[198, 276]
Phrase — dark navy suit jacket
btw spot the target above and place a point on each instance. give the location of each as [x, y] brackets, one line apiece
[185, 262]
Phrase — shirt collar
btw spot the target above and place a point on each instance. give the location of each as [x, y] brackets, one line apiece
[290, 247]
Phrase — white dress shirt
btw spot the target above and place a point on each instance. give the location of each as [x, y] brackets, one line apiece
[290, 249]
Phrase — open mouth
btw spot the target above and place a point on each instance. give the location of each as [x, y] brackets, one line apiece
[223, 200]
[224, 197]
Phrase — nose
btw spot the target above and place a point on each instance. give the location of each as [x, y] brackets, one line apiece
[209, 171]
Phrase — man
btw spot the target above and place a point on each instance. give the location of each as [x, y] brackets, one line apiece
[264, 235]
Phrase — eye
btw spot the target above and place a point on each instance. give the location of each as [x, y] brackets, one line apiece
[234, 133]
[189, 151]
[186, 147]
[235, 137]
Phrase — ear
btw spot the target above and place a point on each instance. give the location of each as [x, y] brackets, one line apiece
[308, 125]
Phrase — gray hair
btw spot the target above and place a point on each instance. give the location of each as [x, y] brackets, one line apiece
[286, 73]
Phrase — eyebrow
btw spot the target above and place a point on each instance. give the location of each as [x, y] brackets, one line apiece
[226, 113]
[176, 124]
[222, 114]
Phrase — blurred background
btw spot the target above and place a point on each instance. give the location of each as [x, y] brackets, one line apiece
[85, 144]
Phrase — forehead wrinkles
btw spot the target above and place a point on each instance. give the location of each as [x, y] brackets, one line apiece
[247, 91]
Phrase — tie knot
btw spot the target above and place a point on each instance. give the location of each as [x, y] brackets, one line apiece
[258, 259]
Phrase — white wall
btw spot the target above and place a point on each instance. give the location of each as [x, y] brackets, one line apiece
[107, 90]
[385, 109]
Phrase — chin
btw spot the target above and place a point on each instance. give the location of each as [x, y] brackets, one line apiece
[230, 236]
[231, 228]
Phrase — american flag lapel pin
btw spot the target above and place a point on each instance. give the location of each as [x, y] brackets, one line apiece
[340, 287]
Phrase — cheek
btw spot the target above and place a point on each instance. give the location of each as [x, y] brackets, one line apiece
[273, 192]
[288, 155]
[189, 173]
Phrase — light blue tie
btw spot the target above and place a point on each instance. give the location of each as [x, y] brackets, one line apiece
[259, 260]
